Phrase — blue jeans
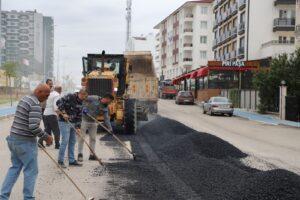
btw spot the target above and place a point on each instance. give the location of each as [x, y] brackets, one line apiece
[68, 139]
[23, 156]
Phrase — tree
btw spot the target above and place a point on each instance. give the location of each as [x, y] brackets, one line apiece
[285, 68]
[10, 70]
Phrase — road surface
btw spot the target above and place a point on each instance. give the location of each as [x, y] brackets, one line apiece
[160, 173]
[277, 145]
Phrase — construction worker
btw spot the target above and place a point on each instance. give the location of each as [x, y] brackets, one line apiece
[22, 143]
[93, 106]
[50, 116]
[70, 114]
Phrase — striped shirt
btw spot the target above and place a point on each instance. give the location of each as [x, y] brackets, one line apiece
[28, 117]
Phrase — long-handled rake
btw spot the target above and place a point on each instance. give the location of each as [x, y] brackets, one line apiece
[85, 142]
[65, 173]
[118, 139]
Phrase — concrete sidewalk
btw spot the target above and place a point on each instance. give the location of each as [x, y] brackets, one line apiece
[7, 111]
[266, 119]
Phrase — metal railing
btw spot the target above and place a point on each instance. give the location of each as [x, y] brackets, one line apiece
[278, 42]
[284, 22]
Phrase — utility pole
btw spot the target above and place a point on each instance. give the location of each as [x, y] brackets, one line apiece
[128, 19]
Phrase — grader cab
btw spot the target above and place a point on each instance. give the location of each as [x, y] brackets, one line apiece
[130, 78]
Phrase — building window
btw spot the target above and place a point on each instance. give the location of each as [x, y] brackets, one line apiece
[283, 14]
[203, 54]
[292, 40]
[242, 42]
[203, 39]
[204, 10]
[203, 24]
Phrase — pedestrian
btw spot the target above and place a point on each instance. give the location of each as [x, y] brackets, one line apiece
[49, 82]
[50, 116]
[94, 106]
[22, 143]
[70, 108]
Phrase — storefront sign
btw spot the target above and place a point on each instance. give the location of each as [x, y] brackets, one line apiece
[233, 64]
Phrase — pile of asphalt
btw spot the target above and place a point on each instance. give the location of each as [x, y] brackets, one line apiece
[208, 165]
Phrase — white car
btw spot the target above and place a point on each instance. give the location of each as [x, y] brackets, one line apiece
[218, 105]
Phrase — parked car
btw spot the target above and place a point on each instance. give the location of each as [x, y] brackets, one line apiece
[218, 105]
[184, 97]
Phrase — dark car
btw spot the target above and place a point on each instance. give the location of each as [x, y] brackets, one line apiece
[184, 97]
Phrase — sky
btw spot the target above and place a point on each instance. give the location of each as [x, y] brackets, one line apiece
[90, 26]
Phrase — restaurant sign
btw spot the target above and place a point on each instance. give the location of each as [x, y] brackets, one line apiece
[233, 64]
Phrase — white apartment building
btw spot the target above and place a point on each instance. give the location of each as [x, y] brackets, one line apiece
[253, 29]
[25, 35]
[297, 32]
[184, 41]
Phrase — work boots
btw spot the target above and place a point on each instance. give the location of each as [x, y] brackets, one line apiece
[80, 157]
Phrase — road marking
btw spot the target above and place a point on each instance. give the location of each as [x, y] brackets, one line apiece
[181, 189]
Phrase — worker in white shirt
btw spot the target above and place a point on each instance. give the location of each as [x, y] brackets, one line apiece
[50, 116]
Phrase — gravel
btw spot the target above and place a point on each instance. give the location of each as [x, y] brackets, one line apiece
[205, 163]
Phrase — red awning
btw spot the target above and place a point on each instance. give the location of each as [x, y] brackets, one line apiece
[202, 72]
[194, 74]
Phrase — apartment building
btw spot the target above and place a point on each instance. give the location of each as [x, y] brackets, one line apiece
[48, 35]
[26, 34]
[297, 32]
[252, 30]
[184, 39]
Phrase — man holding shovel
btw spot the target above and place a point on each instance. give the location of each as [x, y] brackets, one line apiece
[94, 106]
[22, 142]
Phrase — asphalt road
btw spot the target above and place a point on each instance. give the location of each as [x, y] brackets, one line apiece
[270, 146]
[175, 162]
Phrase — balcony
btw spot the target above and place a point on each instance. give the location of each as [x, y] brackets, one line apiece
[276, 47]
[234, 9]
[241, 52]
[187, 61]
[285, 2]
[242, 4]
[188, 32]
[189, 17]
[284, 24]
[216, 3]
[241, 28]
[233, 32]
[233, 54]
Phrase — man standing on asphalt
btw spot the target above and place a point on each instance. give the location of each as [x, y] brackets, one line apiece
[50, 116]
[49, 82]
[23, 145]
[70, 111]
[94, 106]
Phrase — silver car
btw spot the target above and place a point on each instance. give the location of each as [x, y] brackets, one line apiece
[218, 105]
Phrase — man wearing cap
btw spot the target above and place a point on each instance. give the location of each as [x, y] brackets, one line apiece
[94, 106]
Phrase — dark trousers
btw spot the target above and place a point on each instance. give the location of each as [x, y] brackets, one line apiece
[51, 126]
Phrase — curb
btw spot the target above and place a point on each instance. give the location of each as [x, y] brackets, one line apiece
[6, 116]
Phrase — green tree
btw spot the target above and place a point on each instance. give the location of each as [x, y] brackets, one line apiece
[283, 67]
[10, 70]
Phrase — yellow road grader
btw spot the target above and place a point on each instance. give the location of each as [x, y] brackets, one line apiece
[130, 78]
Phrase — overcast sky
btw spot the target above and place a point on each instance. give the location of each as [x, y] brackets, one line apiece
[89, 26]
